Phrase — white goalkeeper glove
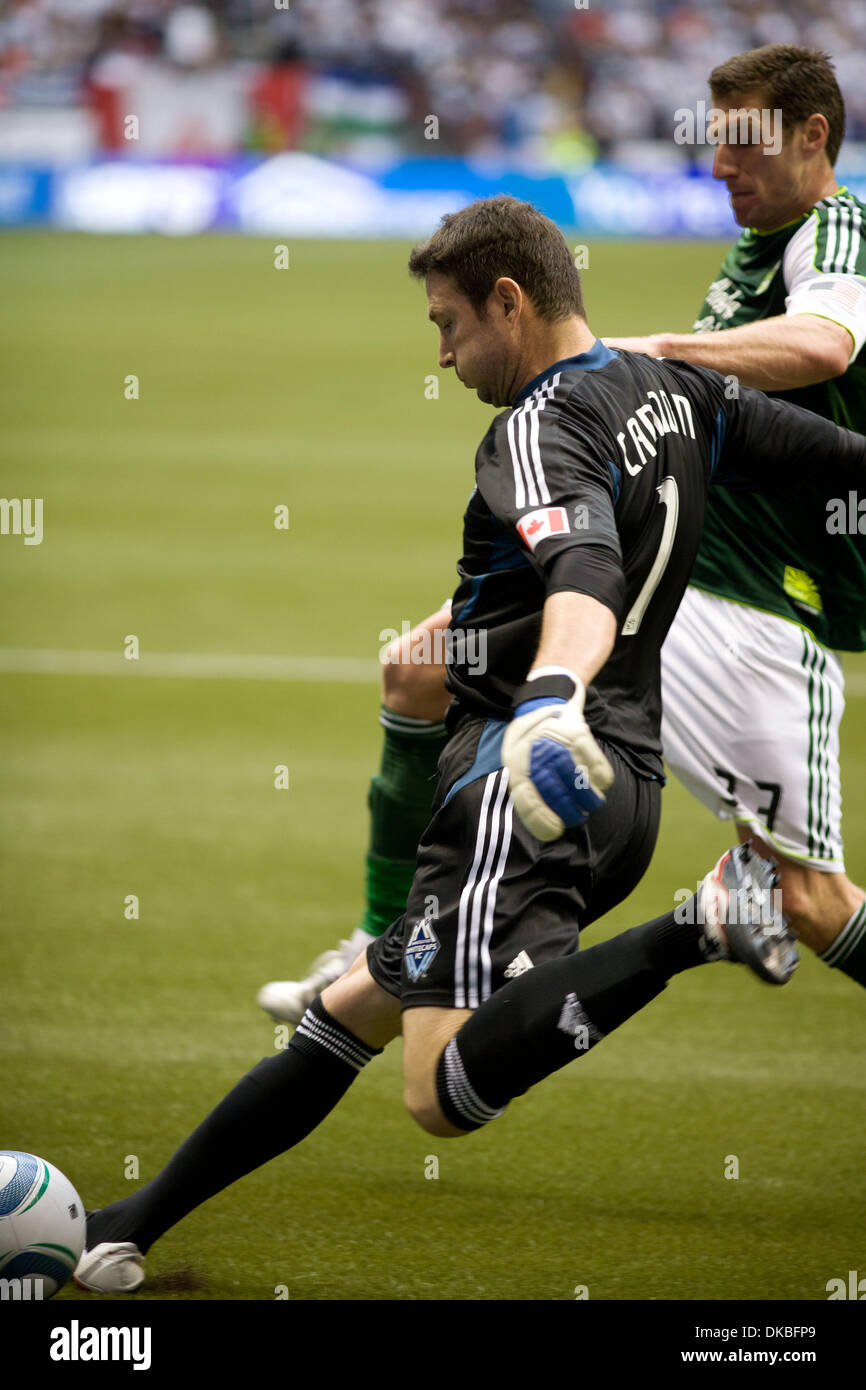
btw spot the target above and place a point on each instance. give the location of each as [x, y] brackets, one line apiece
[557, 774]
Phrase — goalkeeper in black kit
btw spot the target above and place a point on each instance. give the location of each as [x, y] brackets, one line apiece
[579, 539]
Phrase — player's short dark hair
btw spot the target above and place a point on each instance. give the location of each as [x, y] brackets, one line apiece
[800, 82]
[503, 236]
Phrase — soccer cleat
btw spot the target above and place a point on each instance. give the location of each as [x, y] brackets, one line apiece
[287, 1000]
[112, 1267]
[742, 919]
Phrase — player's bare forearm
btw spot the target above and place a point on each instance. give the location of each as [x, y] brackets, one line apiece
[578, 633]
[557, 773]
[778, 354]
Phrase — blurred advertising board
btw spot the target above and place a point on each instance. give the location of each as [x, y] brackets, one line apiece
[297, 194]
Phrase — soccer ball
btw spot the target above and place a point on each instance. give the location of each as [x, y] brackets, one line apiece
[42, 1226]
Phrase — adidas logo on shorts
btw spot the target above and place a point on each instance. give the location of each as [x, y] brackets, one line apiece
[518, 966]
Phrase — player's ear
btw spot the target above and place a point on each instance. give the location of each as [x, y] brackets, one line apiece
[508, 296]
[815, 131]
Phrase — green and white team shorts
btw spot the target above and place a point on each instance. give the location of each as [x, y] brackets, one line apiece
[751, 710]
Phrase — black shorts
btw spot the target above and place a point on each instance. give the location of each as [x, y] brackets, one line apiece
[488, 900]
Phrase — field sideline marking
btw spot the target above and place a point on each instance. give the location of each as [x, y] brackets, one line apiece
[346, 670]
[34, 661]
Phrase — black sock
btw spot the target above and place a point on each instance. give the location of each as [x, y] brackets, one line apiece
[273, 1107]
[548, 1016]
[848, 952]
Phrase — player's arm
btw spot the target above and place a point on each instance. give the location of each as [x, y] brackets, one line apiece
[822, 328]
[577, 632]
[778, 354]
[772, 445]
[557, 773]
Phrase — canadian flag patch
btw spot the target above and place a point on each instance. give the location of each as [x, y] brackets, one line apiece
[536, 526]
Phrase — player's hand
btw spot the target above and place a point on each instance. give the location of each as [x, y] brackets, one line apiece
[557, 774]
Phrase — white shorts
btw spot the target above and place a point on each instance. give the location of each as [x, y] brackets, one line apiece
[751, 710]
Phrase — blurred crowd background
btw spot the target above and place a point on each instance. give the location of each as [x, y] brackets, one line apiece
[540, 82]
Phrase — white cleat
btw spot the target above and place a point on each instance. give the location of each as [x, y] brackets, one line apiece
[743, 919]
[288, 1000]
[113, 1267]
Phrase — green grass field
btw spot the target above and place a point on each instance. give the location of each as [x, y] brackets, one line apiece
[306, 388]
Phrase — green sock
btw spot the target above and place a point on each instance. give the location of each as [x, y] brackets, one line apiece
[848, 952]
[400, 801]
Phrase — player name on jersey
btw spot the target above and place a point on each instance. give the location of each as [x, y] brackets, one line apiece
[653, 420]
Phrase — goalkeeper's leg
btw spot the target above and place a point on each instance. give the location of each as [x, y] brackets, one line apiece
[414, 701]
[462, 1069]
[492, 927]
[276, 1105]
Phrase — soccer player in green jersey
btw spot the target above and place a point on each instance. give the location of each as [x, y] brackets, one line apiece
[752, 685]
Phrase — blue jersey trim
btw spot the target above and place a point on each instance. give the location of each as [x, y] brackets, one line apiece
[488, 756]
[616, 474]
[468, 607]
[505, 554]
[598, 356]
[719, 431]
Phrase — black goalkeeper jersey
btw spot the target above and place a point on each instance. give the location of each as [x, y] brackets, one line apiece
[596, 481]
